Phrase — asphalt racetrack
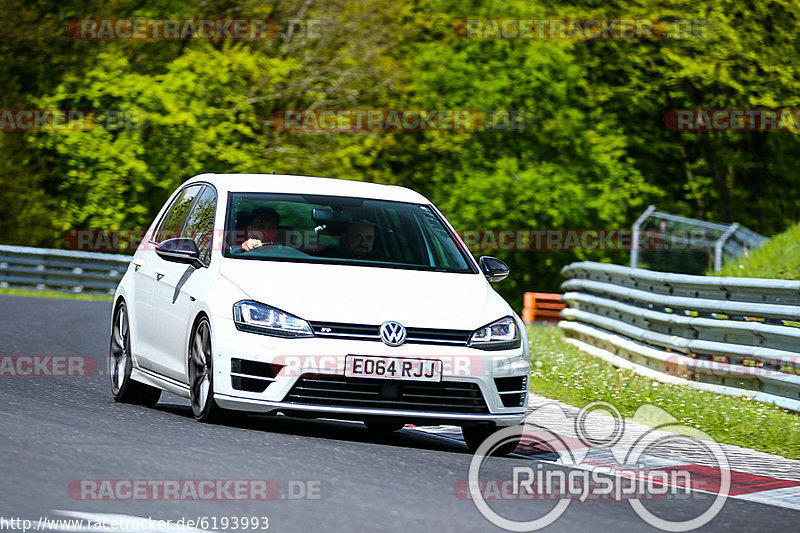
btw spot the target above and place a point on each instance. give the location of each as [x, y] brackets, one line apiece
[333, 476]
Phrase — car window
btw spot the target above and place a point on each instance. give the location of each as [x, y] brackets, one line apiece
[444, 250]
[173, 221]
[200, 223]
[342, 230]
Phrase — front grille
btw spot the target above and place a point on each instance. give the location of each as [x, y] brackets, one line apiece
[252, 376]
[340, 391]
[449, 337]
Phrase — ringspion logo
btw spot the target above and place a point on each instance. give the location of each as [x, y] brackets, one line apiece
[623, 476]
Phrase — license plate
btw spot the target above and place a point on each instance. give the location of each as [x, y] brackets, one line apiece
[393, 368]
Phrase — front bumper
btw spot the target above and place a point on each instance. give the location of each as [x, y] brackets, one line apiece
[463, 365]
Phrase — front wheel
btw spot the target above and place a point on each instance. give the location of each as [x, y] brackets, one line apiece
[123, 388]
[201, 374]
[475, 435]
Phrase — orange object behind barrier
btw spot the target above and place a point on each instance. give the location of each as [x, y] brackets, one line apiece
[542, 306]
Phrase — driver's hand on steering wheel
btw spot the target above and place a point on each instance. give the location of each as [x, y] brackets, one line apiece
[251, 244]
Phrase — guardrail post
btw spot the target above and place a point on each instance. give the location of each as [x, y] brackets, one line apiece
[635, 242]
[720, 244]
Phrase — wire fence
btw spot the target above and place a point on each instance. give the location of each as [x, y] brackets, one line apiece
[691, 246]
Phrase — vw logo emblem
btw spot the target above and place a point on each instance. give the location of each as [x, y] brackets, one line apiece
[393, 333]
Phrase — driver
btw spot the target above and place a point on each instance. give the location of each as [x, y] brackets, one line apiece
[262, 223]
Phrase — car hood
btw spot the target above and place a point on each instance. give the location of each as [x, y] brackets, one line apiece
[369, 295]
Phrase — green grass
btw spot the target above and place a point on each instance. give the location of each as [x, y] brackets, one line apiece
[562, 372]
[778, 259]
[54, 294]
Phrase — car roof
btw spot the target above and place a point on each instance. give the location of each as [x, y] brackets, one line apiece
[284, 183]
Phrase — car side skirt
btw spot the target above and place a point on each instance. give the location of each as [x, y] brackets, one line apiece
[162, 382]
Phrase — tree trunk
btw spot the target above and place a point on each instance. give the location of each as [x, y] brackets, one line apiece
[720, 180]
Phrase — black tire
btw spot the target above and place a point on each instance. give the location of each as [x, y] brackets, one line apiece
[383, 427]
[123, 388]
[201, 374]
[475, 435]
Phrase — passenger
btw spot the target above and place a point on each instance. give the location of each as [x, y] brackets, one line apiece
[357, 240]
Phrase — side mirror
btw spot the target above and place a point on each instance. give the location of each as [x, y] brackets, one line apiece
[494, 269]
[180, 250]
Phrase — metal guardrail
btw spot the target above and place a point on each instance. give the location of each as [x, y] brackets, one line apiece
[735, 334]
[60, 270]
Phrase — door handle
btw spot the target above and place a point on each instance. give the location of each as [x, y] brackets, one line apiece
[160, 273]
[137, 264]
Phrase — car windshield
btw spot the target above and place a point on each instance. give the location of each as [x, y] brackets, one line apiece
[341, 230]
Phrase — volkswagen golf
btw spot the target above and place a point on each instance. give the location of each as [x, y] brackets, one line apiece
[317, 297]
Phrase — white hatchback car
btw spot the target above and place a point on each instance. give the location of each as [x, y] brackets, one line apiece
[317, 297]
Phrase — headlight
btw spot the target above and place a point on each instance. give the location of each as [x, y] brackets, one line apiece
[502, 334]
[259, 318]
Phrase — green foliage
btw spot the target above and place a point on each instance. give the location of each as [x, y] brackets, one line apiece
[594, 155]
[779, 258]
[193, 118]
